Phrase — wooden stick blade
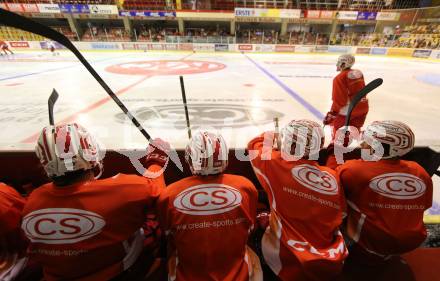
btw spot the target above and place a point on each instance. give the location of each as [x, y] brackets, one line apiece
[51, 103]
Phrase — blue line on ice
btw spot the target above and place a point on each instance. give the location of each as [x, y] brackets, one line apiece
[291, 92]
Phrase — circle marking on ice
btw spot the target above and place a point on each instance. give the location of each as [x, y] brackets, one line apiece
[165, 67]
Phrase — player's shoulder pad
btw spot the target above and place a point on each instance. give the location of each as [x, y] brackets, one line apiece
[127, 179]
[354, 74]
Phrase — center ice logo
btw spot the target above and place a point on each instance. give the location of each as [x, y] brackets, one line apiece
[61, 225]
[203, 114]
[398, 186]
[208, 199]
[165, 67]
[315, 179]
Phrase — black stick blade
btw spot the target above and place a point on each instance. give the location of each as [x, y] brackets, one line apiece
[185, 105]
[360, 95]
[51, 102]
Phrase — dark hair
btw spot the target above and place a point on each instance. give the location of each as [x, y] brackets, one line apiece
[72, 177]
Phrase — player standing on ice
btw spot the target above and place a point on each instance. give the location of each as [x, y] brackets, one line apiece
[345, 86]
[51, 46]
[208, 217]
[386, 198]
[82, 228]
[302, 241]
[5, 48]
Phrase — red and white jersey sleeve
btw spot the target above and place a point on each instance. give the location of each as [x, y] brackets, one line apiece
[386, 201]
[11, 206]
[88, 231]
[303, 240]
[207, 221]
[345, 86]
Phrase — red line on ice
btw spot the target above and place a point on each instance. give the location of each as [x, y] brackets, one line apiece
[34, 137]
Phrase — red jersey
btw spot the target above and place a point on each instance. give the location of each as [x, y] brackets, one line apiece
[13, 244]
[90, 230]
[386, 202]
[345, 86]
[11, 205]
[307, 204]
[207, 221]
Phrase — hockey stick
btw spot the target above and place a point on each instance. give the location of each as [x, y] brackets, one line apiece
[185, 105]
[277, 133]
[51, 103]
[20, 22]
[360, 95]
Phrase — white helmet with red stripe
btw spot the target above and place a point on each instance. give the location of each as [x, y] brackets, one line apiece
[68, 148]
[345, 61]
[397, 135]
[302, 133]
[207, 154]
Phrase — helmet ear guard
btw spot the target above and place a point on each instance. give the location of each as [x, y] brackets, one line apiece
[345, 61]
[397, 137]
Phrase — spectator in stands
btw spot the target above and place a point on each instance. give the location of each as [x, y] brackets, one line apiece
[386, 198]
[82, 228]
[208, 217]
[302, 241]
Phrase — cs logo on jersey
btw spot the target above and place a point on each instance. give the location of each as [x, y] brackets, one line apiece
[398, 186]
[208, 199]
[61, 225]
[315, 179]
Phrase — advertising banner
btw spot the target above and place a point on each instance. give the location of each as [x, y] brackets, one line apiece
[204, 47]
[339, 49]
[304, 49]
[378, 51]
[347, 15]
[435, 54]
[245, 47]
[49, 8]
[104, 46]
[221, 47]
[19, 44]
[149, 14]
[103, 9]
[422, 53]
[186, 47]
[45, 45]
[30, 8]
[321, 49]
[317, 14]
[264, 48]
[400, 52]
[3, 6]
[284, 48]
[387, 16]
[15, 7]
[74, 9]
[268, 13]
[367, 16]
[363, 50]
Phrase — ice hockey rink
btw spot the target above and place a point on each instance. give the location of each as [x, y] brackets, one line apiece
[238, 94]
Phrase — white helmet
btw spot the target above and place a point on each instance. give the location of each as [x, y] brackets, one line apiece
[396, 134]
[206, 154]
[346, 59]
[305, 133]
[67, 148]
